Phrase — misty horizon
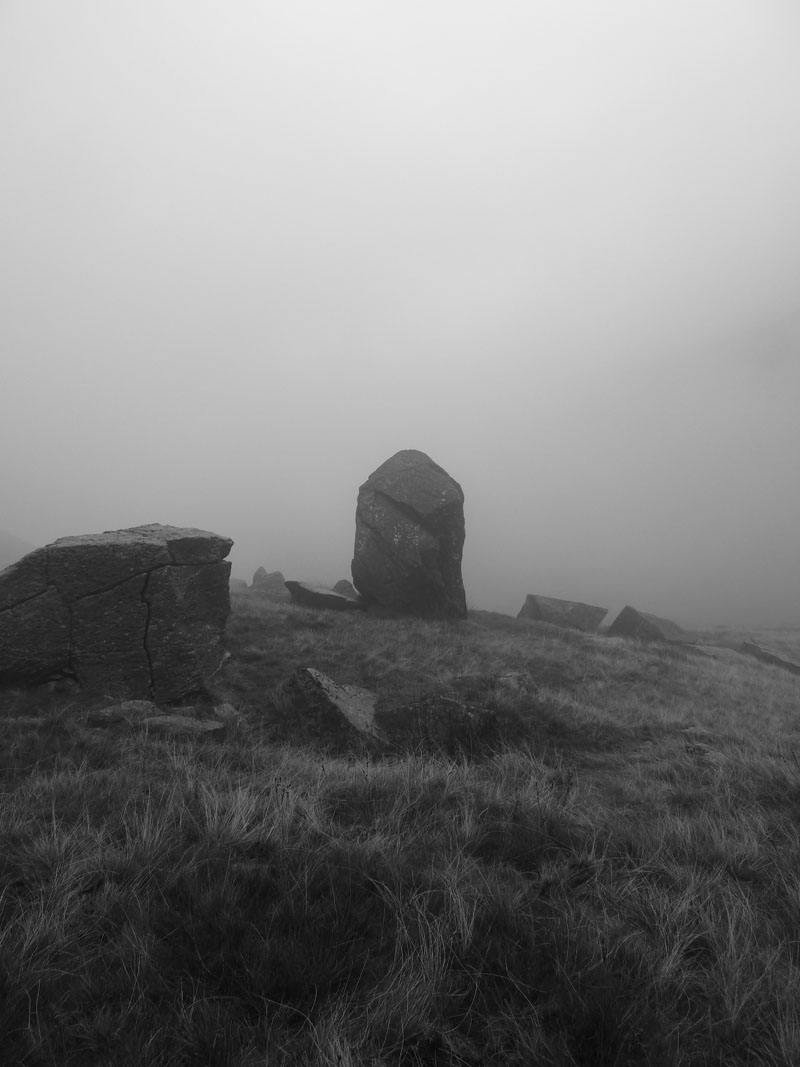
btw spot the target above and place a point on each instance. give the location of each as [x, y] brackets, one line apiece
[251, 253]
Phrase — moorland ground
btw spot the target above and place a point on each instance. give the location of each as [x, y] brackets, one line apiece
[567, 849]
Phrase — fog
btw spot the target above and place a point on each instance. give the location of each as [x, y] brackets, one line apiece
[249, 250]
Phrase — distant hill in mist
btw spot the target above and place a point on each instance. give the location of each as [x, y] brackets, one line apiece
[12, 548]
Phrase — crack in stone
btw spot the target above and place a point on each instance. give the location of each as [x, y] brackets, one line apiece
[405, 509]
[146, 602]
[116, 585]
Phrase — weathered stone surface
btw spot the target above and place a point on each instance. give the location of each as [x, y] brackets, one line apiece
[188, 609]
[570, 613]
[137, 612]
[410, 537]
[328, 710]
[633, 623]
[752, 649]
[316, 596]
[35, 637]
[108, 652]
[345, 588]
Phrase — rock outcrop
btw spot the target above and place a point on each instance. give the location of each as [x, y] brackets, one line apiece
[345, 588]
[317, 596]
[136, 613]
[569, 613]
[328, 711]
[410, 537]
[633, 623]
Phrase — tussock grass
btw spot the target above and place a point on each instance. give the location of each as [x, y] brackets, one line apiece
[570, 850]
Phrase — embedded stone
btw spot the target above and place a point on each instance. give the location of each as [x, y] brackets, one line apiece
[567, 613]
[317, 596]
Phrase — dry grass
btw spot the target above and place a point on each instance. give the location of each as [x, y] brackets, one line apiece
[572, 850]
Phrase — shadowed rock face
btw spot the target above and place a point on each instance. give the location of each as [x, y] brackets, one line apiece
[410, 537]
[135, 613]
[315, 596]
[633, 623]
[571, 613]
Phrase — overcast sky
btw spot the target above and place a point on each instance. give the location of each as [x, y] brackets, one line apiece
[249, 250]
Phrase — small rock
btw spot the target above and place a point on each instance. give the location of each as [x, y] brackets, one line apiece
[175, 725]
[328, 709]
[129, 711]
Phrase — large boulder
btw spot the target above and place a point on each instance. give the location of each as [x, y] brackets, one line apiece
[633, 623]
[318, 596]
[409, 538]
[570, 613]
[136, 613]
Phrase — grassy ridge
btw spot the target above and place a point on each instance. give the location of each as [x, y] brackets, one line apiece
[570, 850]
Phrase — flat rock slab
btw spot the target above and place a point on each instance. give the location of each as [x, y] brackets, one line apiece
[136, 613]
[127, 711]
[181, 725]
[752, 649]
[327, 709]
[317, 596]
[633, 623]
[568, 613]
[137, 713]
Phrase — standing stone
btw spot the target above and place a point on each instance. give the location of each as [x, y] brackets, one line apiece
[569, 613]
[409, 538]
[137, 613]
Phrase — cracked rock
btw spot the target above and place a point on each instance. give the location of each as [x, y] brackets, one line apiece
[410, 537]
[135, 613]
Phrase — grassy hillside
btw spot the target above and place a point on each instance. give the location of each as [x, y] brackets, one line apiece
[567, 849]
